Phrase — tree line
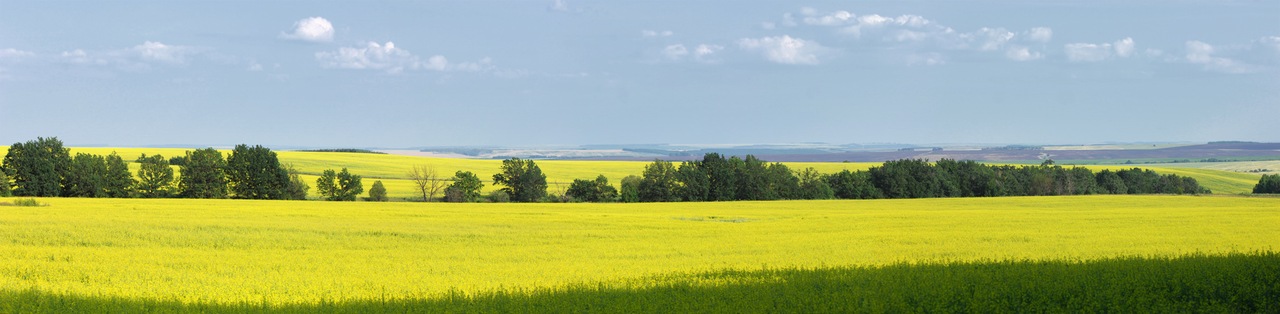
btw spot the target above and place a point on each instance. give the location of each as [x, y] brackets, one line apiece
[717, 178]
[44, 168]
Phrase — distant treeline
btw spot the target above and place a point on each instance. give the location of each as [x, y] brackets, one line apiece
[43, 167]
[341, 150]
[716, 178]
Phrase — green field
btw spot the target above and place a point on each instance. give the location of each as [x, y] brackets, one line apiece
[137, 254]
[1251, 167]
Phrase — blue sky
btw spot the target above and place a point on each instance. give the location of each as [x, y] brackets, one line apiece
[518, 73]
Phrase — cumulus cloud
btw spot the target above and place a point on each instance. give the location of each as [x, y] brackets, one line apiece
[675, 52]
[705, 50]
[1022, 54]
[784, 49]
[1089, 52]
[876, 22]
[11, 53]
[386, 57]
[833, 19]
[1202, 53]
[1085, 52]
[1040, 34]
[701, 53]
[79, 56]
[989, 39]
[915, 32]
[315, 29]
[1124, 47]
[156, 51]
[370, 56]
[650, 33]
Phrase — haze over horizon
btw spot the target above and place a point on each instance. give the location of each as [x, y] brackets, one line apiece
[567, 72]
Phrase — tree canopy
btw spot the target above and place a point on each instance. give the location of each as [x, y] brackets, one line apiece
[465, 187]
[378, 193]
[155, 177]
[1268, 184]
[255, 173]
[38, 167]
[203, 174]
[339, 186]
[522, 179]
[597, 190]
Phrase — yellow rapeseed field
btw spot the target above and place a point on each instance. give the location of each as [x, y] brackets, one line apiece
[284, 252]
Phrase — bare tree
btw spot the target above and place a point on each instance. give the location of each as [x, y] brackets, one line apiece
[427, 180]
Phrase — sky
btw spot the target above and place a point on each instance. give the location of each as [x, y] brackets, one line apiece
[569, 72]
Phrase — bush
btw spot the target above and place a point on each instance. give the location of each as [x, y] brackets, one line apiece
[29, 202]
[378, 193]
[499, 196]
[1269, 184]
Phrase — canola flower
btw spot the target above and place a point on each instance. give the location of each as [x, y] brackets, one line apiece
[299, 252]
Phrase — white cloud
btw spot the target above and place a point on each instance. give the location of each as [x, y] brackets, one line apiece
[768, 25]
[701, 53]
[706, 53]
[1085, 52]
[15, 53]
[833, 19]
[316, 29]
[1124, 47]
[79, 56]
[649, 33]
[1022, 54]
[254, 67]
[386, 57]
[784, 49]
[1040, 34]
[156, 51]
[371, 56]
[1271, 41]
[675, 52]
[990, 39]
[1202, 53]
[1088, 52]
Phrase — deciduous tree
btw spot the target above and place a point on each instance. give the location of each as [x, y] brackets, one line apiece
[87, 177]
[597, 190]
[658, 183]
[378, 193]
[203, 174]
[255, 173]
[522, 179]
[119, 182]
[38, 167]
[427, 180]
[1268, 184]
[465, 187]
[339, 186]
[296, 189]
[155, 177]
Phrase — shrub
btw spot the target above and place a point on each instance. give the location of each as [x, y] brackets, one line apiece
[499, 196]
[30, 202]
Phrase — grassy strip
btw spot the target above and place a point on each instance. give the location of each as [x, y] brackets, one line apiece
[1239, 283]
